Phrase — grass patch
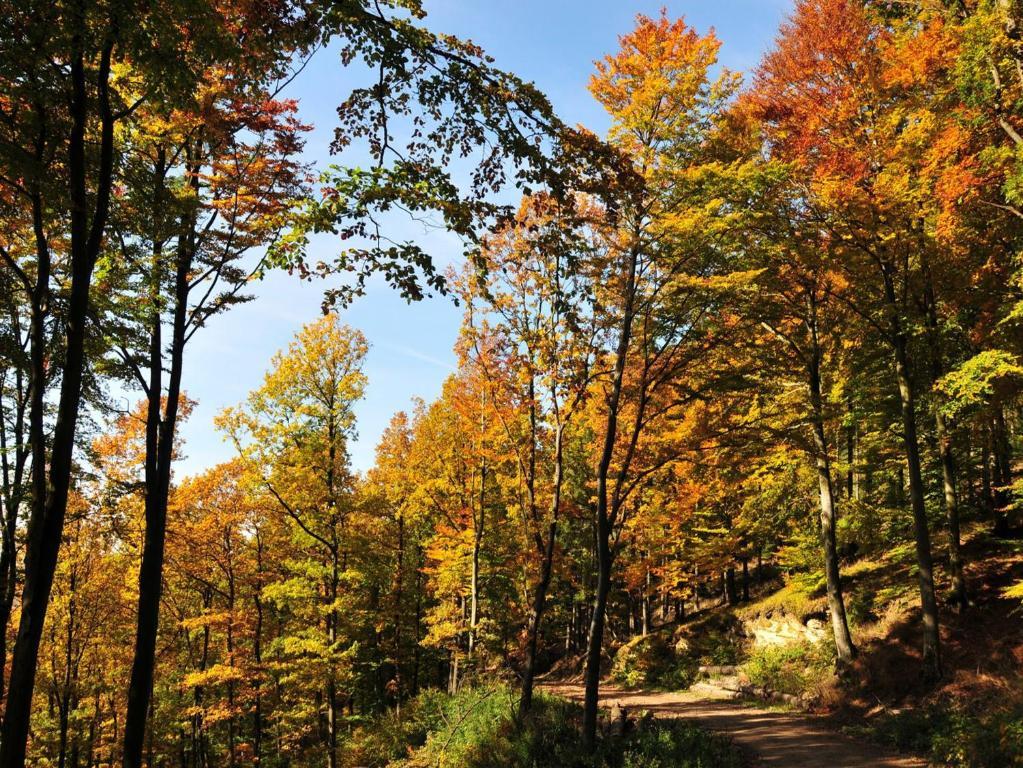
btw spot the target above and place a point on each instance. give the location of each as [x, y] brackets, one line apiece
[802, 595]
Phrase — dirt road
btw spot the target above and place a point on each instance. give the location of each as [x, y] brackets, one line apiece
[770, 738]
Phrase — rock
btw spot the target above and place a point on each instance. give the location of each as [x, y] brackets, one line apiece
[718, 670]
[619, 720]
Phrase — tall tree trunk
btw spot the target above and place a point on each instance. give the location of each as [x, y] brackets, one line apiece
[595, 639]
[257, 657]
[331, 722]
[50, 495]
[160, 434]
[925, 569]
[960, 598]
[1002, 472]
[479, 523]
[605, 512]
[398, 613]
[13, 463]
[535, 621]
[844, 646]
[543, 583]
[731, 596]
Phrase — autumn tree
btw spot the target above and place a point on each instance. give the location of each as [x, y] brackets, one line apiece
[663, 274]
[292, 434]
[840, 122]
[530, 327]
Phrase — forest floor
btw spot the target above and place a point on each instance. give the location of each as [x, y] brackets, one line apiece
[768, 737]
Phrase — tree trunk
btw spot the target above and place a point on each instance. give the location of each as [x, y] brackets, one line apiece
[49, 504]
[535, 621]
[546, 568]
[1002, 472]
[595, 639]
[160, 434]
[945, 453]
[925, 569]
[730, 594]
[844, 646]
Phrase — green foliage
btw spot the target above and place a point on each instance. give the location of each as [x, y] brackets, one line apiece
[974, 383]
[801, 596]
[654, 661]
[715, 639]
[392, 735]
[791, 669]
[678, 745]
[954, 737]
[478, 728]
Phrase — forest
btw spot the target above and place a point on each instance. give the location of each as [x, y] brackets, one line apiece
[737, 404]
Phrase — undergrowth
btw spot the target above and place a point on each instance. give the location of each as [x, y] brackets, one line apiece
[478, 728]
[952, 736]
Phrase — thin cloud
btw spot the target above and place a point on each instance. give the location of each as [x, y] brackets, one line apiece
[417, 355]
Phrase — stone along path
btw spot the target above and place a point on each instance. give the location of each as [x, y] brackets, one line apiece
[767, 737]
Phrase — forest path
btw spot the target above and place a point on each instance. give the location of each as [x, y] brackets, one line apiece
[768, 737]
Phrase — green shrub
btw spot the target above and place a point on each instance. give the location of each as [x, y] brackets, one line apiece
[956, 738]
[676, 744]
[792, 669]
[654, 662]
[390, 736]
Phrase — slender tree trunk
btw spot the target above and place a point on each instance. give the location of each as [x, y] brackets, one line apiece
[477, 546]
[160, 434]
[398, 598]
[1002, 472]
[595, 639]
[257, 657]
[605, 513]
[535, 620]
[68, 684]
[13, 494]
[960, 597]
[844, 646]
[925, 567]
[543, 584]
[731, 596]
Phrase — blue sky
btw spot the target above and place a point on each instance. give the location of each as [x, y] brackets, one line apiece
[551, 42]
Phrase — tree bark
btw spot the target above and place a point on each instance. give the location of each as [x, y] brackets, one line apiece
[160, 432]
[931, 650]
[605, 514]
[49, 505]
[960, 598]
[844, 646]
[1002, 472]
[595, 638]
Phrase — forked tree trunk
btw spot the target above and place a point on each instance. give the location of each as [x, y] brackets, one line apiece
[161, 424]
[535, 620]
[605, 514]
